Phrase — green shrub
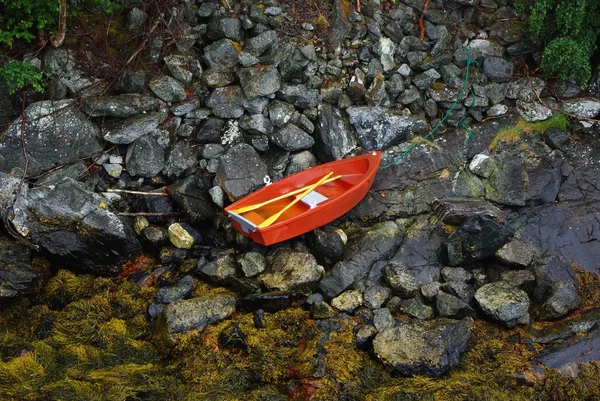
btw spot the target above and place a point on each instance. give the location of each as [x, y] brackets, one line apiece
[569, 31]
[20, 74]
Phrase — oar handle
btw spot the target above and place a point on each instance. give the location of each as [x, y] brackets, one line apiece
[245, 209]
[274, 218]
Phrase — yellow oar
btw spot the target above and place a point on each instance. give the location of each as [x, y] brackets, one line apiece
[274, 218]
[294, 192]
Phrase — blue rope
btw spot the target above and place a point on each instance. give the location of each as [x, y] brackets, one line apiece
[461, 123]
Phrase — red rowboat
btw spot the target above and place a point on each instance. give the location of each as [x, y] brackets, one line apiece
[304, 201]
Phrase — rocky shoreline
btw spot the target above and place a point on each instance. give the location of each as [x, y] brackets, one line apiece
[472, 249]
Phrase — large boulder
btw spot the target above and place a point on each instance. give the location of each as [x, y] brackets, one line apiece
[477, 238]
[291, 271]
[240, 171]
[378, 128]
[362, 252]
[56, 133]
[430, 347]
[76, 225]
[196, 313]
[504, 303]
[125, 131]
[334, 137]
[193, 198]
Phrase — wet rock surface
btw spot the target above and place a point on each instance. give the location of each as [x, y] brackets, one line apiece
[498, 229]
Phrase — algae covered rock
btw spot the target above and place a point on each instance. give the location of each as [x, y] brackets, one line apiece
[196, 313]
[290, 270]
[429, 347]
[504, 303]
[16, 273]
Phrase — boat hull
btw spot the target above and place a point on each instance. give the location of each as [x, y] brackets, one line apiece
[356, 175]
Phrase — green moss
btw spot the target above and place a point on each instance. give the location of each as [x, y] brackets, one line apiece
[513, 134]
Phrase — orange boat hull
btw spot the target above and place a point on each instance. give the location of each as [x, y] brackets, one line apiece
[332, 200]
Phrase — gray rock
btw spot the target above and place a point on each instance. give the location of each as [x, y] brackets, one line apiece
[383, 319]
[299, 95]
[586, 108]
[521, 279]
[497, 110]
[430, 290]
[135, 19]
[348, 301]
[365, 335]
[503, 302]
[497, 69]
[55, 132]
[247, 59]
[448, 305]
[375, 296]
[230, 28]
[426, 79]
[299, 162]
[190, 109]
[255, 106]
[280, 113]
[555, 138]
[292, 271]
[496, 92]
[376, 93]
[193, 199]
[210, 130]
[401, 280]
[74, 224]
[378, 242]
[260, 80]
[334, 138]
[460, 289]
[145, 157]
[126, 131]
[409, 96]
[430, 347]
[252, 263]
[227, 102]
[482, 166]
[260, 44]
[17, 276]
[240, 171]
[196, 313]
[340, 27]
[517, 253]
[525, 89]
[563, 299]
[256, 124]
[220, 271]
[413, 307]
[180, 67]
[292, 138]
[218, 77]
[475, 239]
[179, 158]
[507, 31]
[61, 63]
[533, 111]
[126, 105]
[327, 244]
[182, 289]
[10, 187]
[456, 274]
[167, 89]
[378, 128]
[217, 195]
[222, 52]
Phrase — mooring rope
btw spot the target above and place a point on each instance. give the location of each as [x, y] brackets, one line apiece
[461, 122]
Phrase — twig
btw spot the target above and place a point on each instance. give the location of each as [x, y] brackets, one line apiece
[139, 192]
[144, 43]
[23, 146]
[227, 6]
[149, 214]
[422, 23]
[357, 6]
